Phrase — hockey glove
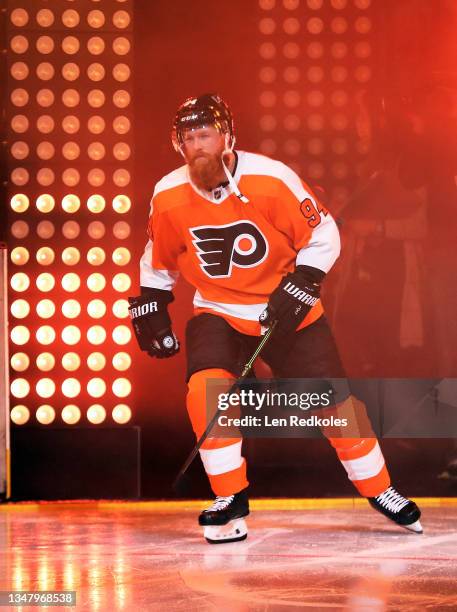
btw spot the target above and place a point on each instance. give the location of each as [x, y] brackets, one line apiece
[294, 297]
[152, 324]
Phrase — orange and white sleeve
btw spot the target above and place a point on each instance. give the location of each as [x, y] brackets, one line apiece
[298, 213]
[159, 263]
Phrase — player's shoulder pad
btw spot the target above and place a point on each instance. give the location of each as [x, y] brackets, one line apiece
[261, 165]
[171, 180]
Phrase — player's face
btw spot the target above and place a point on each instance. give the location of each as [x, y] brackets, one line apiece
[203, 148]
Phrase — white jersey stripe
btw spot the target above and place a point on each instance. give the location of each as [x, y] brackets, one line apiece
[365, 467]
[221, 460]
[250, 312]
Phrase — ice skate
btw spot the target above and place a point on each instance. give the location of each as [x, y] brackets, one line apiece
[398, 509]
[224, 520]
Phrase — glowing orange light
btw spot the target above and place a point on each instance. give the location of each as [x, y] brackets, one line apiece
[121, 282]
[121, 414]
[19, 202]
[20, 309]
[96, 414]
[45, 334]
[71, 387]
[45, 387]
[45, 362]
[96, 362]
[45, 414]
[96, 256]
[45, 282]
[71, 335]
[121, 361]
[20, 388]
[96, 203]
[45, 256]
[121, 387]
[20, 362]
[71, 282]
[96, 334]
[96, 309]
[70, 256]
[71, 203]
[121, 309]
[20, 335]
[71, 414]
[71, 309]
[45, 309]
[45, 203]
[96, 282]
[71, 362]
[96, 387]
[121, 334]
[20, 415]
[20, 282]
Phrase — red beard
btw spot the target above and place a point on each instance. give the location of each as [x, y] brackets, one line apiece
[206, 171]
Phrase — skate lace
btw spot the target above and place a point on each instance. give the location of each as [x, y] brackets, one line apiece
[221, 503]
[392, 500]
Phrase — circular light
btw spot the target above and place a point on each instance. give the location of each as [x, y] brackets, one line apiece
[121, 230]
[70, 151]
[20, 415]
[20, 388]
[96, 72]
[19, 44]
[95, 19]
[121, 361]
[121, 334]
[71, 309]
[45, 309]
[96, 362]
[71, 282]
[120, 309]
[70, 177]
[45, 229]
[70, 72]
[121, 177]
[45, 44]
[19, 176]
[96, 282]
[121, 414]
[45, 256]
[71, 387]
[45, 18]
[19, 97]
[71, 414]
[96, 387]
[96, 230]
[121, 282]
[96, 177]
[121, 45]
[96, 45]
[70, 124]
[70, 98]
[45, 414]
[20, 229]
[45, 387]
[96, 203]
[45, 97]
[121, 19]
[19, 256]
[19, 202]
[20, 282]
[121, 124]
[45, 124]
[20, 309]
[121, 72]
[121, 387]
[45, 282]
[96, 98]
[71, 229]
[96, 124]
[70, 18]
[19, 362]
[45, 150]
[70, 45]
[45, 71]
[96, 334]
[121, 204]
[96, 151]
[45, 335]
[70, 203]
[71, 362]
[121, 98]
[71, 335]
[20, 335]
[96, 414]
[96, 309]
[19, 71]
[70, 256]
[45, 362]
[45, 203]
[19, 17]
[96, 256]
[20, 149]
[363, 25]
[45, 177]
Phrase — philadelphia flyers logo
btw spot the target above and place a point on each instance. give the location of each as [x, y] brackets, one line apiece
[220, 247]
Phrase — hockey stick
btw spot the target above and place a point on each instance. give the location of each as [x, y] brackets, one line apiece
[239, 381]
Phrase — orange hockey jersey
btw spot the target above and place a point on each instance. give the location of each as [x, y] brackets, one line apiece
[236, 253]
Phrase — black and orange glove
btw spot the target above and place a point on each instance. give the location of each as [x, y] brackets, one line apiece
[293, 298]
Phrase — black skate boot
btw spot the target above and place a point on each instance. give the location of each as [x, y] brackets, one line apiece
[398, 509]
[223, 521]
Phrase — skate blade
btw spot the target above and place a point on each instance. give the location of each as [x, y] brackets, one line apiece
[234, 531]
[416, 527]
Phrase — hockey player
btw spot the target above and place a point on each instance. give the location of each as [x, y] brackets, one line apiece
[256, 244]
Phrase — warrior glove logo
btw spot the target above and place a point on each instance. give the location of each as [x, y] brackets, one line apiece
[219, 247]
